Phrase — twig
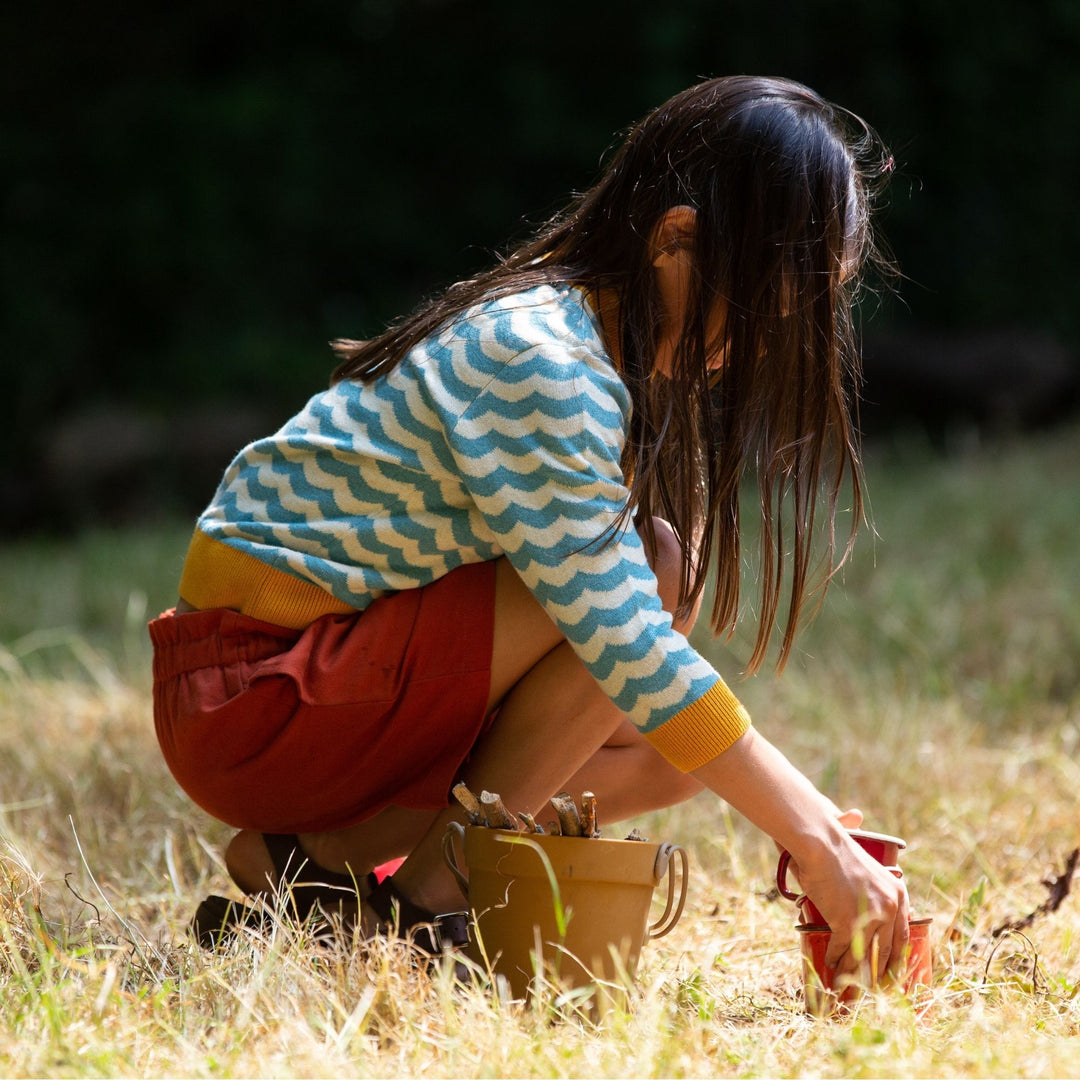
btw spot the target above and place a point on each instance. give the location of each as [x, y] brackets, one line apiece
[531, 823]
[588, 814]
[82, 899]
[567, 812]
[495, 813]
[470, 802]
[123, 922]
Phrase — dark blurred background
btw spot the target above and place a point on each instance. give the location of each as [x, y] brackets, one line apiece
[197, 197]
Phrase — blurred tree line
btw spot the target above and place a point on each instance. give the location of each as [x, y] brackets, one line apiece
[196, 197]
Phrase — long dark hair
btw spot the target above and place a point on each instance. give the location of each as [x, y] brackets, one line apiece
[782, 184]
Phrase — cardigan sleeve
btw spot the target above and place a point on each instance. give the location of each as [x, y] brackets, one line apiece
[539, 449]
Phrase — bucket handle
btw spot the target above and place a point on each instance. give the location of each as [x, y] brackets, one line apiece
[455, 828]
[666, 923]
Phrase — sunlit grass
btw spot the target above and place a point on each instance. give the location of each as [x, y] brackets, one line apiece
[939, 690]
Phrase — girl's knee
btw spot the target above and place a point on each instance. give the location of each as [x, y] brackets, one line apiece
[248, 862]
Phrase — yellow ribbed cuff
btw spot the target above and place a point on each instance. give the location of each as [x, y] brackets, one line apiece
[703, 730]
[217, 575]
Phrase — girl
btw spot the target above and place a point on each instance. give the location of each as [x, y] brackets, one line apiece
[478, 554]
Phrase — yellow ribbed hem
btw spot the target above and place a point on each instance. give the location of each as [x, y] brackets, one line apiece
[703, 730]
[219, 576]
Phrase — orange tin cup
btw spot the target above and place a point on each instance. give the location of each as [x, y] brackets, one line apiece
[824, 997]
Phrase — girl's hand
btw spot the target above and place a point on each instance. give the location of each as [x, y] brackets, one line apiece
[865, 906]
[857, 896]
[850, 819]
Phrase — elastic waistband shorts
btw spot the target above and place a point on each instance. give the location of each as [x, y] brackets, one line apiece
[312, 730]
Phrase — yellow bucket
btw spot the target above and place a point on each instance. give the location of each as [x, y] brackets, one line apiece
[568, 910]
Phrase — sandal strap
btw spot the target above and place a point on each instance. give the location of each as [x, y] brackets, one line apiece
[308, 882]
[393, 907]
[218, 920]
[428, 932]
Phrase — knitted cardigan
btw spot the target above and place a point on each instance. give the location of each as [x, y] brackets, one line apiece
[502, 434]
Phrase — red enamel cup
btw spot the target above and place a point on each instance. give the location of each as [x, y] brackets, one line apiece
[824, 996]
[880, 846]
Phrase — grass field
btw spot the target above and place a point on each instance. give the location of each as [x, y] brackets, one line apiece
[939, 690]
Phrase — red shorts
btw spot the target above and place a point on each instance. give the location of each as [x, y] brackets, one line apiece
[312, 730]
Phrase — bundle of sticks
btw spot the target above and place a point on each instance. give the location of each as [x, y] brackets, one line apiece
[488, 810]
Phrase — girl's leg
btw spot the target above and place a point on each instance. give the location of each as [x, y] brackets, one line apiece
[628, 777]
[523, 636]
[553, 724]
[555, 728]
[626, 774]
[539, 687]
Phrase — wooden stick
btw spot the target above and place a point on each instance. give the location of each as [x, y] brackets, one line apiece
[530, 823]
[470, 802]
[553, 829]
[588, 814]
[495, 813]
[564, 806]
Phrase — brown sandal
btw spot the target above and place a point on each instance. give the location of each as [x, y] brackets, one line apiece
[303, 887]
[430, 934]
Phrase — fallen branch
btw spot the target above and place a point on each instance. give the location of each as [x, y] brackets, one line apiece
[1058, 886]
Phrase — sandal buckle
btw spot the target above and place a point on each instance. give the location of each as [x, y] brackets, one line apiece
[451, 930]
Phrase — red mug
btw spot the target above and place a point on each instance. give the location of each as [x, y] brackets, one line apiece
[880, 846]
[822, 994]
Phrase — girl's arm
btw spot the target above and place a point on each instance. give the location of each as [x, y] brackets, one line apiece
[849, 888]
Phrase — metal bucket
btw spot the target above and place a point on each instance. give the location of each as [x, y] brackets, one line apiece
[568, 910]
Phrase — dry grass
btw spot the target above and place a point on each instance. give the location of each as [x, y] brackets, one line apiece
[939, 690]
